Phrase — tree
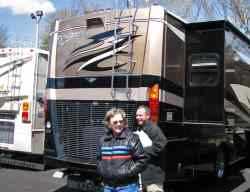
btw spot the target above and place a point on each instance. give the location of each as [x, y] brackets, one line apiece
[61, 14]
[236, 11]
[3, 36]
[78, 7]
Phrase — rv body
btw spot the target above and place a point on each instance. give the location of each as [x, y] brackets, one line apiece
[216, 107]
[102, 60]
[22, 86]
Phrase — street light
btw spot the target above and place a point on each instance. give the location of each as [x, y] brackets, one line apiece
[37, 16]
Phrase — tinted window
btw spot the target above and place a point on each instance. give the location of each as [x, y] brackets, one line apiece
[94, 22]
[203, 70]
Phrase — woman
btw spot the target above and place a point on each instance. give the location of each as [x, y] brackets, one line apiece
[121, 155]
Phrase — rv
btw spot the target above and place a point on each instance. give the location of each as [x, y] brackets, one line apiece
[195, 77]
[23, 75]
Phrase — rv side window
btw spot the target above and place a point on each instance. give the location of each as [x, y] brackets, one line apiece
[4, 55]
[203, 70]
[94, 23]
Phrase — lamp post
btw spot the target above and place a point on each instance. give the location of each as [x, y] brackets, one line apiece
[37, 16]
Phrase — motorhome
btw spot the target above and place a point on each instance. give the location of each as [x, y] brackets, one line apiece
[23, 76]
[195, 77]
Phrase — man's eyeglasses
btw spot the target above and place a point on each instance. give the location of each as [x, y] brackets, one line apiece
[116, 122]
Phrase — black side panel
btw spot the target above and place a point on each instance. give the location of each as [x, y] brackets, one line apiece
[173, 70]
[204, 100]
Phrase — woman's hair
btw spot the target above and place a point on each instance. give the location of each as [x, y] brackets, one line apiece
[112, 112]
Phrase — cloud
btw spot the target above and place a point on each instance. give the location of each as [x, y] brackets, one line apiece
[27, 6]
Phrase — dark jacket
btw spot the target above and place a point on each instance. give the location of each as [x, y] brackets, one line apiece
[120, 158]
[154, 172]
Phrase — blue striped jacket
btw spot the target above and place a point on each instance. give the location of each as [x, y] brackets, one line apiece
[120, 158]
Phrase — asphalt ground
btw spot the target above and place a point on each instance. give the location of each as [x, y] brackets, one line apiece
[22, 180]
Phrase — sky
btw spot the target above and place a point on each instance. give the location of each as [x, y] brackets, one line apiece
[15, 16]
[21, 29]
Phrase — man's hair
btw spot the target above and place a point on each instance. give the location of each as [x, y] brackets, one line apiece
[146, 108]
[112, 112]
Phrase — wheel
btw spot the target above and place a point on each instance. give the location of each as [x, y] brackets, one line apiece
[221, 164]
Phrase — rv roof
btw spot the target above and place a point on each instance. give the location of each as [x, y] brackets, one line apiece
[177, 17]
[18, 49]
[222, 23]
[101, 11]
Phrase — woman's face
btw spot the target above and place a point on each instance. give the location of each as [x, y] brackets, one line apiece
[117, 124]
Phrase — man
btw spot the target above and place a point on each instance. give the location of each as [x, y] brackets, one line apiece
[121, 156]
[153, 141]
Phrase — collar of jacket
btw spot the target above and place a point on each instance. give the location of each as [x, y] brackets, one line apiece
[147, 125]
[123, 135]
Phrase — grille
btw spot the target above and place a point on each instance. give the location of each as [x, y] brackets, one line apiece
[81, 126]
[7, 132]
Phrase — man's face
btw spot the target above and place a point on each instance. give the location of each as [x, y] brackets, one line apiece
[141, 117]
[116, 124]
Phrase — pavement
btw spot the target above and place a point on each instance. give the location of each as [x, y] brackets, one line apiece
[23, 180]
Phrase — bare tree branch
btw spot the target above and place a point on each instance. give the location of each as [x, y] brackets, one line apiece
[3, 36]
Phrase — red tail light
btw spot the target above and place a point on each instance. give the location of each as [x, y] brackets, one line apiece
[154, 103]
[25, 116]
[25, 112]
